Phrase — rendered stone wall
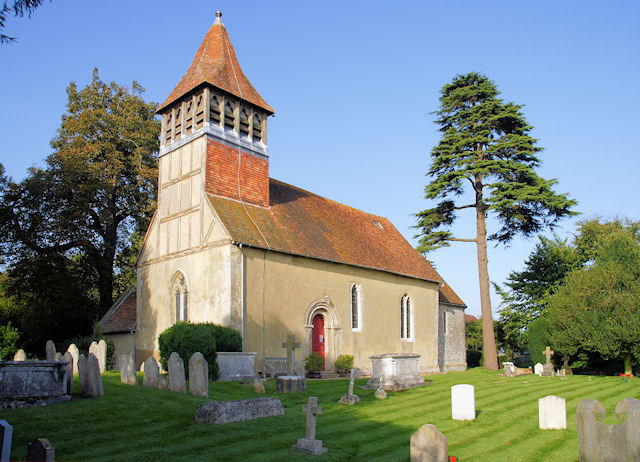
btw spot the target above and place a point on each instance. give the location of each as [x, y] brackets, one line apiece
[452, 355]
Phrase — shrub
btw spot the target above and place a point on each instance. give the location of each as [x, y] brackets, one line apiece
[538, 338]
[314, 362]
[83, 344]
[344, 362]
[9, 337]
[185, 339]
[474, 358]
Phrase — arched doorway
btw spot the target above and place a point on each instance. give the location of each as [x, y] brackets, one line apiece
[318, 338]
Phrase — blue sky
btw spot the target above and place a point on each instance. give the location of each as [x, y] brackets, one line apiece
[353, 85]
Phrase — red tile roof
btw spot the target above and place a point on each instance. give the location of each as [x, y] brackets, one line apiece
[121, 317]
[215, 63]
[303, 223]
[469, 318]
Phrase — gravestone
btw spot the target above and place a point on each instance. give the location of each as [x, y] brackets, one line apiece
[58, 356]
[102, 355]
[350, 398]
[509, 369]
[128, 370]
[82, 373]
[41, 450]
[290, 383]
[218, 412]
[309, 443]
[198, 375]
[547, 369]
[93, 349]
[176, 374]
[151, 374]
[598, 441]
[236, 365]
[75, 354]
[537, 369]
[68, 372]
[6, 433]
[20, 355]
[380, 393]
[429, 445]
[291, 346]
[163, 382]
[258, 385]
[90, 379]
[50, 351]
[463, 402]
[552, 413]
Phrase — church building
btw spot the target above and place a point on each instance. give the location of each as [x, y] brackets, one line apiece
[230, 245]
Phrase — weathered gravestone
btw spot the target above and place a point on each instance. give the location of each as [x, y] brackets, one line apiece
[350, 398]
[50, 351]
[291, 346]
[75, 354]
[20, 355]
[163, 382]
[429, 445]
[309, 443]
[176, 374]
[509, 369]
[463, 402]
[128, 370]
[552, 413]
[6, 433]
[380, 393]
[601, 442]
[89, 374]
[102, 355]
[290, 383]
[258, 385]
[547, 369]
[41, 450]
[218, 412]
[151, 374]
[68, 372]
[537, 369]
[198, 375]
[58, 356]
[93, 349]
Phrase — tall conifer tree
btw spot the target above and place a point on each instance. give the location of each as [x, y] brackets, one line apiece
[486, 146]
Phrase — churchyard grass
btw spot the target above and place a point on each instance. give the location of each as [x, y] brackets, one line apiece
[136, 423]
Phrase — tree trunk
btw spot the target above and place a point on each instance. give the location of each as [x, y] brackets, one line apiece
[628, 357]
[488, 336]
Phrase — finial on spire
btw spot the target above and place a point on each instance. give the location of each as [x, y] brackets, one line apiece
[218, 18]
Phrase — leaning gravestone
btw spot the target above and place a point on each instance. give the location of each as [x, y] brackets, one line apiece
[198, 375]
[537, 369]
[6, 432]
[552, 413]
[68, 372]
[598, 441]
[218, 412]
[150, 377]
[41, 450]
[20, 355]
[75, 354]
[309, 443]
[463, 402]
[128, 370]
[350, 398]
[429, 445]
[176, 374]
[50, 351]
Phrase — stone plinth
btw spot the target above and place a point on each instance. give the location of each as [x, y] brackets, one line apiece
[290, 383]
[236, 365]
[395, 371]
[32, 382]
[313, 447]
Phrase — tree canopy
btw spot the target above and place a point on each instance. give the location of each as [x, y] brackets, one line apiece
[487, 152]
[18, 9]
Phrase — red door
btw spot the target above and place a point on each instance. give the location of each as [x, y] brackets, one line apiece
[317, 340]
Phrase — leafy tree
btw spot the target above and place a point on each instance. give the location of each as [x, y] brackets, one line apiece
[486, 146]
[538, 338]
[9, 340]
[598, 307]
[18, 9]
[473, 334]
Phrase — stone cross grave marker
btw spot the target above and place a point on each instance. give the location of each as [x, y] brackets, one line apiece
[429, 445]
[50, 351]
[463, 402]
[552, 413]
[6, 432]
[598, 441]
[291, 346]
[75, 354]
[309, 443]
[198, 375]
[350, 398]
[548, 353]
[41, 450]
[176, 374]
[151, 373]
[547, 369]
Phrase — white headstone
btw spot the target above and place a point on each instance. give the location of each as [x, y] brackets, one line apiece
[198, 375]
[75, 354]
[20, 355]
[102, 355]
[429, 445]
[151, 373]
[177, 381]
[552, 413]
[537, 369]
[6, 433]
[128, 370]
[463, 402]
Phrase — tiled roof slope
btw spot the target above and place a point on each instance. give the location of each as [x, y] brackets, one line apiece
[121, 317]
[302, 223]
[216, 63]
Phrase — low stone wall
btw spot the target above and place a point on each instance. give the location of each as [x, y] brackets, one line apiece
[32, 382]
[236, 365]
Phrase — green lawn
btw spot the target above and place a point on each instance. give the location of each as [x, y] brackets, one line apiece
[136, 423]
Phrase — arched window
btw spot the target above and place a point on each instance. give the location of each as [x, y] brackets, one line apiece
[229, 115]
[179, 296]
[257, 126]
[406, 318]
[355, 306]
[244, 121]
[214, 109]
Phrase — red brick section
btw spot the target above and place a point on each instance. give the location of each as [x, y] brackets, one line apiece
[303, 223]
[216, 63]
[222, 174]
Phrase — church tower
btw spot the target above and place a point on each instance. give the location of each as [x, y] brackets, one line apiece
[215, 98]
